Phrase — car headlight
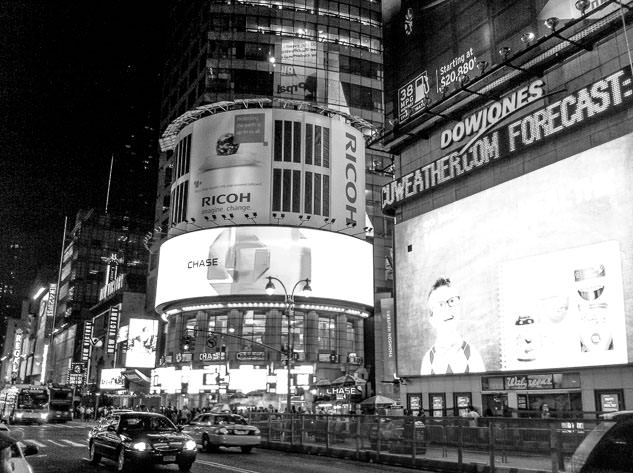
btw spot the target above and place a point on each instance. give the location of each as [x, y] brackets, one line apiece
[190, 445]
[43, 415]
[140, 446]
[222, 431]
[19, 415]
[256, 432]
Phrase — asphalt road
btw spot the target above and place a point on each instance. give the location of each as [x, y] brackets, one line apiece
[63, 448]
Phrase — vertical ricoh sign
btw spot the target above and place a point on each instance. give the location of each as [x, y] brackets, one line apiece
[234, 155]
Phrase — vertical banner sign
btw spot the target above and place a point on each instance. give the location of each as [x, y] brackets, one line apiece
[50, 308]
[113, 328]
[17, 351]
[389, 363]
[86, 341]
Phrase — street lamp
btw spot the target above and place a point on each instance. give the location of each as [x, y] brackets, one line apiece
[289, 301]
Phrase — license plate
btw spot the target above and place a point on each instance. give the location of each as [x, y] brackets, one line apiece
[169, 458]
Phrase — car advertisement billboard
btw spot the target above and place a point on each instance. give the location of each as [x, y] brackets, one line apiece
[141, 343]
[462, 39]
[529, 274]
[237, 260]
[235, 153]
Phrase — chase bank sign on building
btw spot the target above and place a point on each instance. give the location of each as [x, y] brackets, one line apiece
[513, 205]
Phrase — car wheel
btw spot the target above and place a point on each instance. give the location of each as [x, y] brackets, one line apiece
[207, 446]
[93, 455]
[186, 466]
[246, 449]
[121, 464]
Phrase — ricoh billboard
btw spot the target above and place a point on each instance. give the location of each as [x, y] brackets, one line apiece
[525, 275]
[260, 161]
[235, 261]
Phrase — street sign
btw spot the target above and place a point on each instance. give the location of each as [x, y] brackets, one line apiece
[212, 342]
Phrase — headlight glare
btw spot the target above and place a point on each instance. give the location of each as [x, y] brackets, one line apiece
[43, 415]
[190, 445]
[140, 446]
[256, 432]
[19, 415]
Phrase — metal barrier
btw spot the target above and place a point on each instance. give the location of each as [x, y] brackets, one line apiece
[407, 440]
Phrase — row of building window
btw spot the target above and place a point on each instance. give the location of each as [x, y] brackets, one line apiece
[183, 154]
[179, 197]
[224, 82]
[351, 11]
[225, 23]
[232, 49]
[288, 192]
[254, 327]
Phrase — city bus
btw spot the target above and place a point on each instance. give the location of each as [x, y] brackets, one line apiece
[26, 403]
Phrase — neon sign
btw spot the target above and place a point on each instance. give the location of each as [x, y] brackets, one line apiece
[601, 97]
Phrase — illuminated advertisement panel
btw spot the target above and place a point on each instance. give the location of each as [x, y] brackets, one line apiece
[112, 378]
[525, 275]
[255, 162]
[462, 40]
[237, 261]
[141, 343]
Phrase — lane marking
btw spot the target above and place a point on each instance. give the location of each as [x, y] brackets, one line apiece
[35, 442]
[56, 443]
[73, 444]
[225, 467]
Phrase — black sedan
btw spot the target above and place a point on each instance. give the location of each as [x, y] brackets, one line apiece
[134, 438]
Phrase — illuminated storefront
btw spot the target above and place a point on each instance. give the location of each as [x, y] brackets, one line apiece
[260, 194]
[513, 246]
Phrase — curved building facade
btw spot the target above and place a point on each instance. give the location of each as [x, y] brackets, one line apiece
[261, 196]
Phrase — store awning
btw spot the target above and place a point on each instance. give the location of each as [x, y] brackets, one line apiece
[136, 376]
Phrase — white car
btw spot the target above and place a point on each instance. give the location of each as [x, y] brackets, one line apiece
[223, 430]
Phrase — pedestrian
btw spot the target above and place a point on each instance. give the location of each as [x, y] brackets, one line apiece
[82, 413]
[545, 413]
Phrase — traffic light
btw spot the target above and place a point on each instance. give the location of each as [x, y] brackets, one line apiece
[188, 343]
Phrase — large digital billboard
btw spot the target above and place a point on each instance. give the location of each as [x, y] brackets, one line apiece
[141, 343]
[318, 161]
[530, 274]
[461, 39]
[237, 261]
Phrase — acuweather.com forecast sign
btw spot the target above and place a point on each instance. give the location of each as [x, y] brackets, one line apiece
[238, 260]
[490, 142]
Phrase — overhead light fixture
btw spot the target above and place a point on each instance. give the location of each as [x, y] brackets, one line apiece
[504, 52]
[552, 23]
[482, 66]
[527, 38]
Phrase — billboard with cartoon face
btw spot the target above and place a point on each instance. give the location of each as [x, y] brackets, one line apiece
[530, 274]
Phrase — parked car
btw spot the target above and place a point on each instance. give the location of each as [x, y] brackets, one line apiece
[608, 447]
[13, 451]
[215, 430]
[135, 438]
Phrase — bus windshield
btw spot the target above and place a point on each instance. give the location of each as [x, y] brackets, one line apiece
[28, 399]
[61, 399]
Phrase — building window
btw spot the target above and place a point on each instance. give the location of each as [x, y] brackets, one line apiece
[351, 336]
[253, 329]
[327, 333]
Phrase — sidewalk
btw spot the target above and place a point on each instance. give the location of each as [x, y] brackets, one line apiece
[435, 458]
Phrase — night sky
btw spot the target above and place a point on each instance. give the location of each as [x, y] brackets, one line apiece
[68, 71]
